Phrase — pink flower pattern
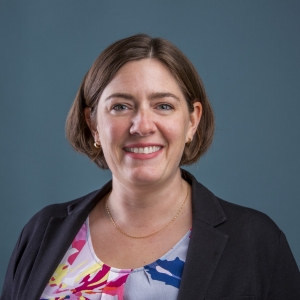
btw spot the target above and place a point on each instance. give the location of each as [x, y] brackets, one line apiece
[82, 276]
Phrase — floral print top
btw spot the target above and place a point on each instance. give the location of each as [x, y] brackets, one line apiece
[81, 275]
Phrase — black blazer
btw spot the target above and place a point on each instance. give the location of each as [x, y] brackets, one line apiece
[234, 252]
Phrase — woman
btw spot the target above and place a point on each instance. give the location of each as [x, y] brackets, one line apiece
[153, 232]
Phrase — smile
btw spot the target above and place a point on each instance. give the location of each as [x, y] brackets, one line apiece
[143, 150]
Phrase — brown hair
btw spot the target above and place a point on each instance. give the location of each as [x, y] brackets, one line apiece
[103, 70]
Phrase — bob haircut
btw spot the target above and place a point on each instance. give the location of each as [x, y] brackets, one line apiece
[104, 69]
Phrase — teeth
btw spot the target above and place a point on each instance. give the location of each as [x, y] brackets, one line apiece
[145, 150]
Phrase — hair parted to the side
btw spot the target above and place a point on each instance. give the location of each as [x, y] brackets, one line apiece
[103, 70]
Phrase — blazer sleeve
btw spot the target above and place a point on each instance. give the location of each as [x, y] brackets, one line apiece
[23, 258]
[285, 282]
[7, 290]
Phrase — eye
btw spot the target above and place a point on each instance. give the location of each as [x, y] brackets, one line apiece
[164, 106]
[119, 107]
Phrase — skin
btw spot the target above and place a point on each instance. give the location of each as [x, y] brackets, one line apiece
[142, 106]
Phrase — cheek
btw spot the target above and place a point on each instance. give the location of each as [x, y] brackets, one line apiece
[177, 129]
[112, 131]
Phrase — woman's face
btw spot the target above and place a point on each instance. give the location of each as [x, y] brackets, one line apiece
[143, 123]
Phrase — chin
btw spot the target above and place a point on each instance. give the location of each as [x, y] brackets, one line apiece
[144, 175]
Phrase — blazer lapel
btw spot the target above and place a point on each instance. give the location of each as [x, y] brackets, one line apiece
[58, 237]
[205, 250]
[56, 242]
[206, 243]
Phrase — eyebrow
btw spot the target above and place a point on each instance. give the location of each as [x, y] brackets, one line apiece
[157, 95]
[120, 95]
[161, 95]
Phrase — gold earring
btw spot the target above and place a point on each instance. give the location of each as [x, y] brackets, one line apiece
[97, 146]
[188, 142]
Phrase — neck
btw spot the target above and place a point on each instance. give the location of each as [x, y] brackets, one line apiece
[142, 207]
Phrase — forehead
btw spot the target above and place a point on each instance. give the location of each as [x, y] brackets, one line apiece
[146, 74]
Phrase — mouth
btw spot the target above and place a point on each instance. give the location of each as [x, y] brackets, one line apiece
[143, 150]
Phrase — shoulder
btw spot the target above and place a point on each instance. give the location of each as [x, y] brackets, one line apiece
[251, 231]
[225, 215]
[236, 221]
[246, 216]
[37, 225]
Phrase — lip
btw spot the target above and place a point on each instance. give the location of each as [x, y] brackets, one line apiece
[142, 145]
[142, 156]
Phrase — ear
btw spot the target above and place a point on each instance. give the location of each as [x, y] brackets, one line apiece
[195, 118]
[90, 123]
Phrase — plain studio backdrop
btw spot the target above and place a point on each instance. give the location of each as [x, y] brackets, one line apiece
[247, 53]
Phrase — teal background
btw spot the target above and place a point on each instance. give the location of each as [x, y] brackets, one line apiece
[247, 52]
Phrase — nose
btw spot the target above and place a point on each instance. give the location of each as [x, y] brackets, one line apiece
[142, 123]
